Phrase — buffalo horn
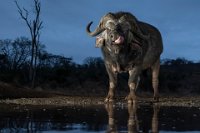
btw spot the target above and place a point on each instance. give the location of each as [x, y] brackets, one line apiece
[96, 32]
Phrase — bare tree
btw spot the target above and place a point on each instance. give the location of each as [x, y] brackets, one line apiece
[35, 26]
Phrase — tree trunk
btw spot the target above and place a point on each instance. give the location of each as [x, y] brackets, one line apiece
[34, 27]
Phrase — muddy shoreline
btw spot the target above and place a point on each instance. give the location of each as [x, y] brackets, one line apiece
[12, 95]
[193, 101]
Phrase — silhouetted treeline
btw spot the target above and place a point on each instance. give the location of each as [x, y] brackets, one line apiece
[60, 73]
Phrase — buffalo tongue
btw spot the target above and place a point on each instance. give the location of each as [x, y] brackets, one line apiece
[119, 40]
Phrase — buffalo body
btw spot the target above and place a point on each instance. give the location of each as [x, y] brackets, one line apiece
[128, 45]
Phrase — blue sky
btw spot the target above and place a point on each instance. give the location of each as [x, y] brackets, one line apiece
[64, 23]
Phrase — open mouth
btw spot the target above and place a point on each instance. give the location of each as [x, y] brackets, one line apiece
[119, 40]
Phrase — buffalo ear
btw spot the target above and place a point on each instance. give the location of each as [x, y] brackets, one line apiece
[100, 41]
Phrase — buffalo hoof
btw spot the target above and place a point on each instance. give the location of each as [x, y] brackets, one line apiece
[156, 99]
[131, 99]
[132, 102]
[108, 100]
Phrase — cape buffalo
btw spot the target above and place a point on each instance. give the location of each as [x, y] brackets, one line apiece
[128, 45]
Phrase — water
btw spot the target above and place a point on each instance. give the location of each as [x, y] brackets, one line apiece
[109, 118]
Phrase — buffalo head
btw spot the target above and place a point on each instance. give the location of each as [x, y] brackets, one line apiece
[113, 37]
[114, 32]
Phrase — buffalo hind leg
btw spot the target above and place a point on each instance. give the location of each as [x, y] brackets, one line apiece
[155, 81]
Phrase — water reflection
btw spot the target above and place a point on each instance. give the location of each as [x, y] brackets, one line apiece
[112, 118]
[132, 121]
[154, 122]
[112, 128]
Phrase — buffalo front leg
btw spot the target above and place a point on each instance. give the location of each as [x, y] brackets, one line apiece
[133, 84]
[112, 84]
[155, 80]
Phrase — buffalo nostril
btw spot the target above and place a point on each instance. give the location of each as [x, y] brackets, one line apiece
[112, 36]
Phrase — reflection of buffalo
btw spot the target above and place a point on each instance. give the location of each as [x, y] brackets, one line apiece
[128, 45]
[133, 125]
[112, 128]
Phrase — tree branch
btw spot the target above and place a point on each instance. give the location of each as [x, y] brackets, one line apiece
[25, 17]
